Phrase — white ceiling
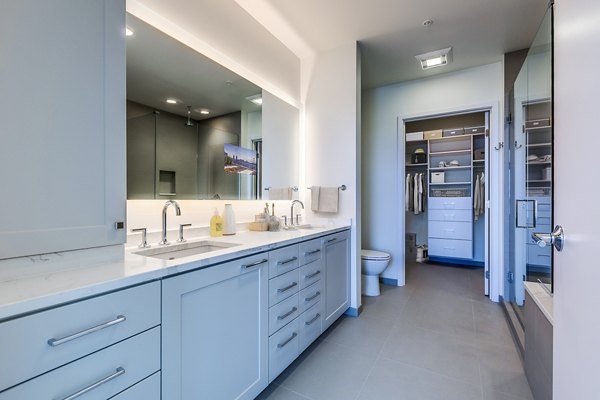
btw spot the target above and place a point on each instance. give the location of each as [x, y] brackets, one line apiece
[391, 32]
[160, 67]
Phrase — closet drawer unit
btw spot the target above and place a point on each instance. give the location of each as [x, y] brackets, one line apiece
[283, 260]
[450, 248]
[544, 208]
[451, 230]
[104, 373]
[282, 313]
[46, 340]
[451, 215]
[537, 123]
[283, 286]
[148, 389]
[310, 326]
[310, 251]
[450, 203]
[310, 296]
[541, 256]
[310, 273]
[283, 349]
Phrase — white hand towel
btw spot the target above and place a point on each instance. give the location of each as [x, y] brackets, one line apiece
[281, 193]
[314, 198]
[329, 199]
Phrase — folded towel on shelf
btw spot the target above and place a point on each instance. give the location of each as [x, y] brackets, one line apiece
[314, 198]
[281, 193]
[329, 199]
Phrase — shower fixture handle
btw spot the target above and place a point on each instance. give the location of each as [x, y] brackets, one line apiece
[556, 238]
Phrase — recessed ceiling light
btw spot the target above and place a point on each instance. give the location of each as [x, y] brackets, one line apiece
[256, 99]
[204, 112]
[171, 101]
[128, 32]
[436, 58]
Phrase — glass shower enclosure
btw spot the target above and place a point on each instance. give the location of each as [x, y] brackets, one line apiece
[531, 169]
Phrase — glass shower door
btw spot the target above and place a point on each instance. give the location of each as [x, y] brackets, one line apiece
[532, 166]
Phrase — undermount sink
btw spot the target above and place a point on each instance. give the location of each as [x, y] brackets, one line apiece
[175, 251]
[304, 227]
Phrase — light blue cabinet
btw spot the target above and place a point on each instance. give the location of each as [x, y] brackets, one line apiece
[63, 149]
[215, 331]
[336, 249]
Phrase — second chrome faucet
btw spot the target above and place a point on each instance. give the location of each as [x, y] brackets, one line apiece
[164, 240]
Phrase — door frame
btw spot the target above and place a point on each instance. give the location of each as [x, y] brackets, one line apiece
[495, 170]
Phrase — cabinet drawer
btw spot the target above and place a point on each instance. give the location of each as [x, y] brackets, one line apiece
[283, 349]
[310, 296]
[310, 273]
[450, 203]
[148, 389]
[451, 215]
[282, 313]
[283, 260]
[106, 319]
[119, 366]
[450, 230]
[450, 248]
[537, 255]
[310, 326]
[283, 286]
[310, 251]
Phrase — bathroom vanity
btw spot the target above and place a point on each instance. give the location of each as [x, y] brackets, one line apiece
[218, 325]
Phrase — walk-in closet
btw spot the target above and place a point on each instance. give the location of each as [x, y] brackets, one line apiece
[446, 189]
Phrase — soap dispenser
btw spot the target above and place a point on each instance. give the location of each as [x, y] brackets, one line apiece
[216, 224]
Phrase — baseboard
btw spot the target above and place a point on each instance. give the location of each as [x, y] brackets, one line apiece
[456, 261]
[389, 281]
[353, 312]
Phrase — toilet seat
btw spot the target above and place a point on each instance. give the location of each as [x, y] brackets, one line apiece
[373, 255]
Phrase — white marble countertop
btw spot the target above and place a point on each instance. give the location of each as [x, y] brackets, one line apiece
[543, 299]
[30, 284]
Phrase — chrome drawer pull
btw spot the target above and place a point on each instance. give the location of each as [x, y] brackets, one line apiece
[254, 264]
[289, 260]
[287, 314]
[317, 272]
[288, 287]
[312, 320]
[310, 253]
[120, 371]
[314, 296]
[56, 342]
[281, 345]
[331, 240]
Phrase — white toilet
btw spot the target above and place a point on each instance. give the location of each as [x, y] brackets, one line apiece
[373, 263]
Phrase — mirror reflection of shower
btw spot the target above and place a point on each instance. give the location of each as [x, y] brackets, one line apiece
[189, 120]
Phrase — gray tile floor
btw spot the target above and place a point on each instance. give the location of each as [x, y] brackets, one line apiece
[436, 338]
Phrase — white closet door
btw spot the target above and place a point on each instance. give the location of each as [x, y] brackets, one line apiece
[62, 128]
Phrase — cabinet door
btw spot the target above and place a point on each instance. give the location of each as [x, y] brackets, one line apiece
[215, 332]
[62, 157]
[337, 281]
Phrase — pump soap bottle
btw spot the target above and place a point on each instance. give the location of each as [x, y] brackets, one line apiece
[216, 224]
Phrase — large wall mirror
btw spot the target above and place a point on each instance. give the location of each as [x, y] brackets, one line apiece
[195, 129]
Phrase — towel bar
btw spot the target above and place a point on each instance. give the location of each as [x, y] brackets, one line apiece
[294, 188]
[342, 188]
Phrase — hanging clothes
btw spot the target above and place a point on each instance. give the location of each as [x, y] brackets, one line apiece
[417, 209]
[479, 196]
[407, 193]
[421, 193]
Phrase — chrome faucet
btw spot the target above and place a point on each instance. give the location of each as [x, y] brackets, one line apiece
[292, 211]
[164, 240]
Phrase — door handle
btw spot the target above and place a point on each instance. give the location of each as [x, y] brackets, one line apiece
[556, 238]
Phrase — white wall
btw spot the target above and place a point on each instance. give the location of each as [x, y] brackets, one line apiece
[332, 139]
[226, 33]
[383, 208]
